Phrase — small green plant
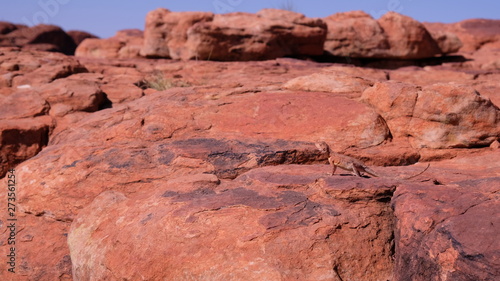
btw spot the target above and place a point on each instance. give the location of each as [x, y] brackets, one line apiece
[158, 81]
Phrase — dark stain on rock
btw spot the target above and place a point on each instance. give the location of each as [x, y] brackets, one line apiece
[146, 219]
[288, 208]
[72, 165]
[166, 157]
[227, 155]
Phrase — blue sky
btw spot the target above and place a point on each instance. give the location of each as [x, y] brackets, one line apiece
[105, 17]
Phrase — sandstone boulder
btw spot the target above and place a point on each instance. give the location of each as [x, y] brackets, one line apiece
[440, 240]
[24, 128]
[30, 69]
[439, 116]
[166, 33]
[336, 119]
[74, 93]
[7, 27]
[270, 224]
[236, 36]
[394, 36]
[41, 37]
[408, 38]
[473, 33]
[355, 34]
[448, 42]
[21, 139]
[125, 44]
[78, 36]
[23, 104]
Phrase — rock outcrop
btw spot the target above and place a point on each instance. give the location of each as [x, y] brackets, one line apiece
[438, 116]
[40, 37]
[134, 168]
[393, 36]
[125, 44]
[474, 33]
[267, 34]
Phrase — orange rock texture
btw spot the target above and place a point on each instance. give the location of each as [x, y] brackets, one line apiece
[187, 151]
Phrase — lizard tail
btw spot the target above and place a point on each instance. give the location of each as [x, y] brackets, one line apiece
[410, 177]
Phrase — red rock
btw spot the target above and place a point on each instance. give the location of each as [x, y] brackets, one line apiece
[234, 36]
[23, 105]
[408, 38]
[35, 68]
[302, 116]
[125, 44]
[355, 34]
[205, 160]
[46, 235]
[99, 48]
[448, 42]
[329, 82]
[437, 116]
[7, 27]
[473, 33]
[78, 36]
[22, 139]
[74, 93]
[265, 35]
[41, 37]
[118, 93]
[447, 232]
[268, 225]
[430, 75]
[166, 32]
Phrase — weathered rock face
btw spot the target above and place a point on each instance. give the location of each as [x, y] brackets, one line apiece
[28, 69]
[448, 42]
[288, 228]
[408, 39]
[166, 33]
[21, 139]
[78, 36]
[473, 33]
[438, 116]
[7, 27]
[74, 93]
[255, 116]
[41, 37]
[236, 36]
[440, 241]
[343, 81]
[355, 34]
[125, 44]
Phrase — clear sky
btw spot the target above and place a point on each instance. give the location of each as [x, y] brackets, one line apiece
[104, 17]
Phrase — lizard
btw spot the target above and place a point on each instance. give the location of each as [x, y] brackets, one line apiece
[355, 166]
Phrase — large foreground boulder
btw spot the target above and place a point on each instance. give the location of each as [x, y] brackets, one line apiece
[269, 224]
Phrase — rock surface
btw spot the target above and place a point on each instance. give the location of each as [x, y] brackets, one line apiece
[473, 33]
[125, 44]
[131, 168]
[395, 36]
[278, 220]
[40, 37]
[443, 115]
[267, 34]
